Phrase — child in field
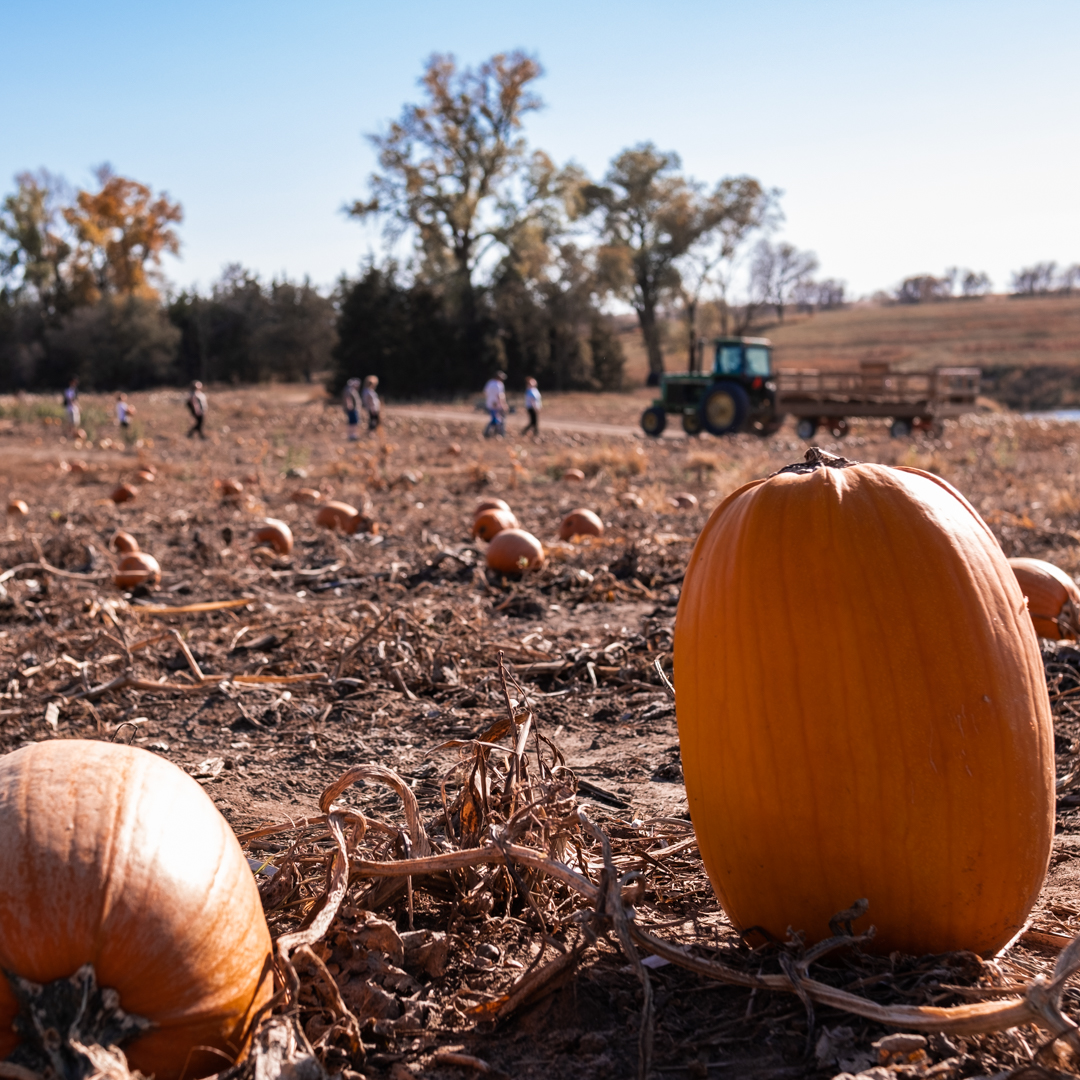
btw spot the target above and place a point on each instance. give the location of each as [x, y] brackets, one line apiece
[124, 412]
[495, 402]
[350, 400]
[532, 407]
[71, 407]
[197, 405]
[371, 402]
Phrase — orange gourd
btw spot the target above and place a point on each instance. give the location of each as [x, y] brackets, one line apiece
[137, 568]
[863, 712]
[124, 542]
[112, 856]
[580, 522]
[338, 515]
[277, 534]
[1052, 596]
[513, 551]
[489, 523]
[491, 504]
[124, 493]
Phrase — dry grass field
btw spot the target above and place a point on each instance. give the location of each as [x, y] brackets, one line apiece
[397, 651]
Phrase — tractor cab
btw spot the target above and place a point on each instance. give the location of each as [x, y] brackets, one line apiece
[749, 357]
[737, 395]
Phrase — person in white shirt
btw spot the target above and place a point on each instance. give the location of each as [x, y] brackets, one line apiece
[532, 407]
[124, 411]
[197, 405]
[495, 402]
[71, 407]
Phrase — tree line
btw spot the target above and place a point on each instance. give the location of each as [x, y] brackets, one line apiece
[495, 258]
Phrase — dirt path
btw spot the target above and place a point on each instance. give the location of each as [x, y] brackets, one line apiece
[473, 416]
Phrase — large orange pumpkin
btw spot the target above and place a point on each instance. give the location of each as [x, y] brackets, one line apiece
[862, 711]
[112, 856]
[514, 551]
[488, 523]
[1052, 596]
[580, 522]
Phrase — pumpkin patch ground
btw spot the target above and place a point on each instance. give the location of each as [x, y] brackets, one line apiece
[510, 738]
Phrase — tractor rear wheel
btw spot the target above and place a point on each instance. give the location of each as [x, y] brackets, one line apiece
[724, 408]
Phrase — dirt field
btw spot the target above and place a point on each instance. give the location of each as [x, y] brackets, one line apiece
[384, 649]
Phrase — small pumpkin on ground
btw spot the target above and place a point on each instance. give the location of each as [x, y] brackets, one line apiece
[491, 504]
[124, 493]
[514, 551]
[277, 534]
[113, 857]
[17, 508]
[580, 522]
[863, 712]
[344, 518]
[489, 523]
[137, 568]
[632, 498]
[146, 476]
[683, 500]
[1053, 598]
[306, 496]
[231, 489]
[573, 476]
[124, 542]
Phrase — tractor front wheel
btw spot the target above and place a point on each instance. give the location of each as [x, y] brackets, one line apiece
[691, 423]
[653, 421]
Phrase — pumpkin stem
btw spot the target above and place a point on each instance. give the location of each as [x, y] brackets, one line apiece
[70, 1026]
[816, 458]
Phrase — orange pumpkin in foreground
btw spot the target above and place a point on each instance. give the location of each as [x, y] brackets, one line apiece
[513, 551]
[580, 522]
[137, 568]
[112, 856]
[863, 712]
[1052, 596]
[489, 523]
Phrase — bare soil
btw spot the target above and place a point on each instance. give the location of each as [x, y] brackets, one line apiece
[385, 648]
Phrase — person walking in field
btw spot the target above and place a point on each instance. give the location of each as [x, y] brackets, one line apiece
[350, 399]
[197, 405]
[71, 407]
[532, 407]
[371, 403]
[124, 412]
[495, 403]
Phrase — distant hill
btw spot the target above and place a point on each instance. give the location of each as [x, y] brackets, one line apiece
[1028, 347]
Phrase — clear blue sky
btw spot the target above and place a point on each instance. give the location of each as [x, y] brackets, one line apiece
[907, 136]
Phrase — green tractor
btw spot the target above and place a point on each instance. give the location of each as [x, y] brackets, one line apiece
[738, 395]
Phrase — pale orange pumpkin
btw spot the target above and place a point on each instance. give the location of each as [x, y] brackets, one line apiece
[124, 493]
[863, 712]
[137, 568]
[513, 551]
[231, 489]
[112, 856]
[17, 508]
[1053, 598]
[574, 476]
[277, 534]
[683, 500]
[632, 498]
[580, 522]
[489, 523]
[124, 542]
[146, 476]
[338, 516]
[491, 504]
[306, 496]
